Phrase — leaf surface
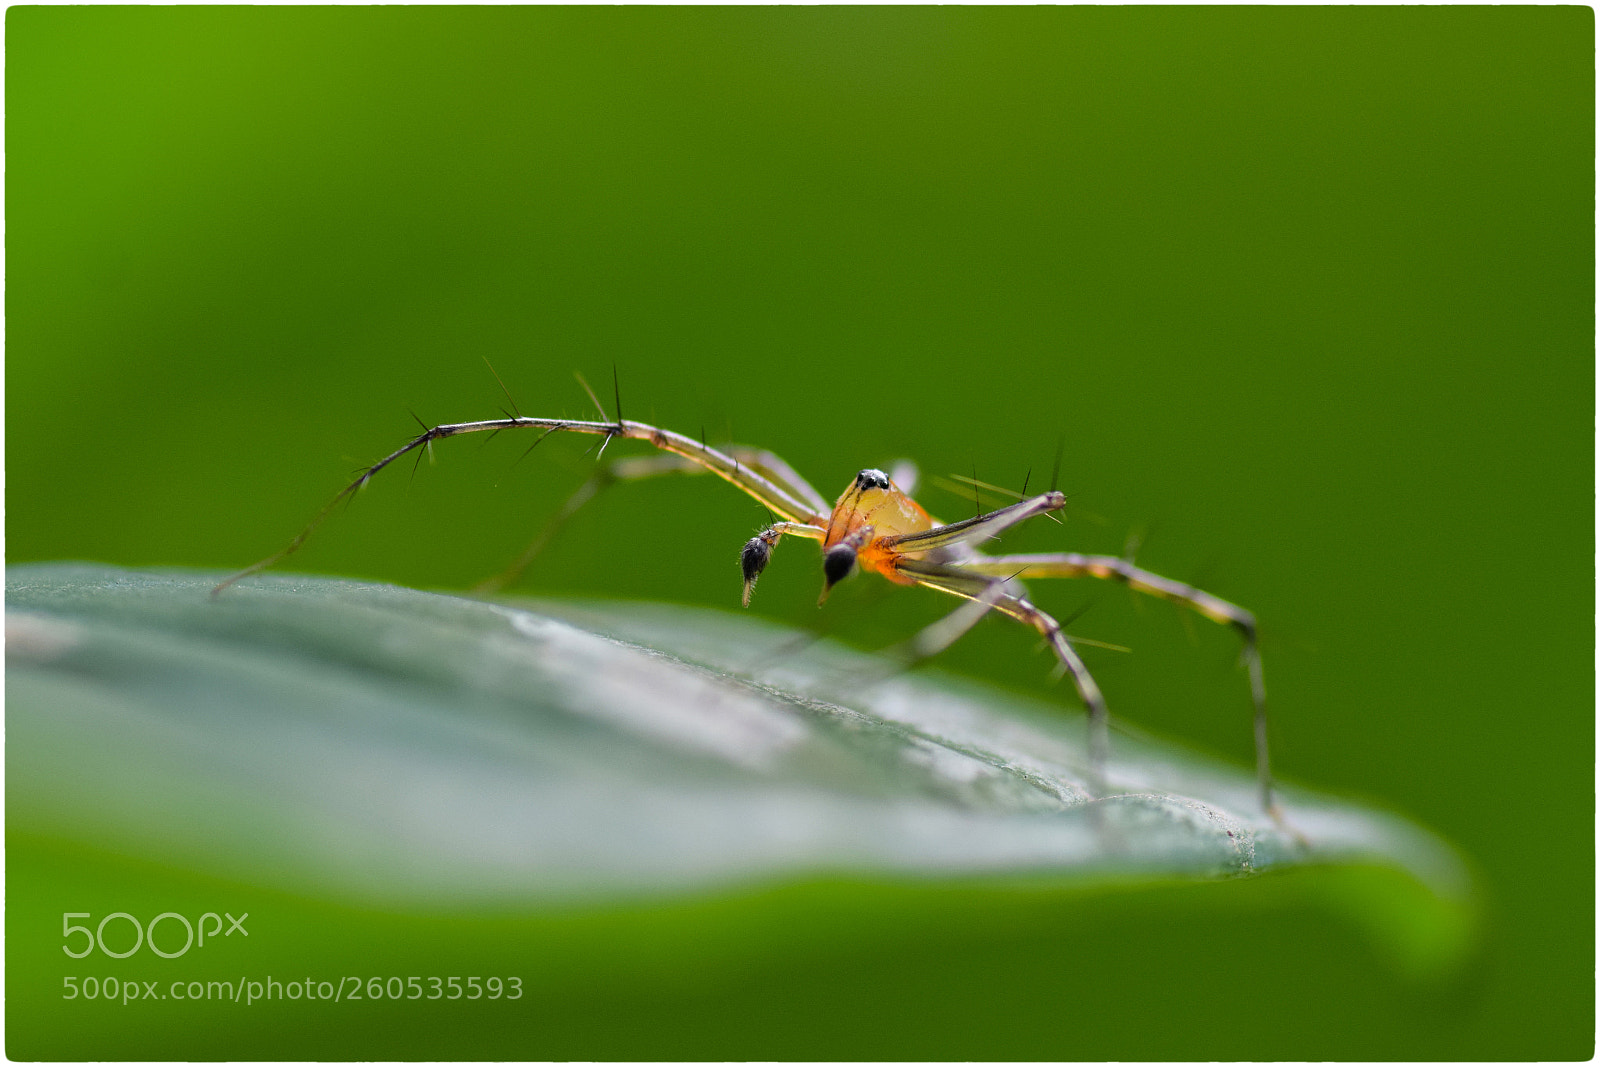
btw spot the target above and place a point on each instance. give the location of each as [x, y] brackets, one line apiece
[388, 745]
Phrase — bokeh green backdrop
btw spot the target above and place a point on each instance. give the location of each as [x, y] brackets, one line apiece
[1306, 293]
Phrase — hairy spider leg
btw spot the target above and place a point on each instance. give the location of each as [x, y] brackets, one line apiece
[979, 528]
[1115, 568]
[780, 500]
[987, 593]
[635, 468]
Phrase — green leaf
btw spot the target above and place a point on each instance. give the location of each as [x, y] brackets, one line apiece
[379, 744]
[748, 843]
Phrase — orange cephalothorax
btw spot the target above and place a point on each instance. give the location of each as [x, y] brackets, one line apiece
[873, 507]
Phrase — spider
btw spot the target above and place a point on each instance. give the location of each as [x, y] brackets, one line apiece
[876, 526]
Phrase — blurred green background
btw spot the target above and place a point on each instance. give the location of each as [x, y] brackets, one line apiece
[1306, 293]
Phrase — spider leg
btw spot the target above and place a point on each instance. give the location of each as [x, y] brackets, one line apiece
[995, 592]
[633, 468]
[936, 637]
[980, 528]
[586, 492]
[775, 470]
[1115, 568]
[730, 468]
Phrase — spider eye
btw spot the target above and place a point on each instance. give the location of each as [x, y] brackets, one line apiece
[872, 479]
[837, 564]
